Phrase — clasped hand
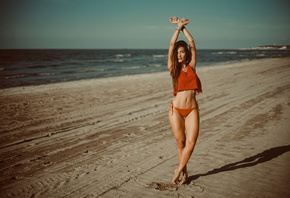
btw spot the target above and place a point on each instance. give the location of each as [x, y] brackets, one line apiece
[180, 23]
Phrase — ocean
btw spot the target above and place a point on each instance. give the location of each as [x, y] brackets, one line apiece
[20, 67]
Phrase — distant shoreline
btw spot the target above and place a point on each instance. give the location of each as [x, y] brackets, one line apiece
[269, 47]
[287, 47]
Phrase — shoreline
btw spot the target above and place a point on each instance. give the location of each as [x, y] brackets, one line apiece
[27, 79]
[111, 137]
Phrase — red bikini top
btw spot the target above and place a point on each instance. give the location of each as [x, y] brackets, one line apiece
[188, 81]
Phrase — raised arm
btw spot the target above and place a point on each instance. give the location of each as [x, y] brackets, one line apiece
[180, 25]
[173, 40]
[190, 39]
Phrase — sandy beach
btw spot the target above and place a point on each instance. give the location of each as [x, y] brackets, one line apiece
[111, 137]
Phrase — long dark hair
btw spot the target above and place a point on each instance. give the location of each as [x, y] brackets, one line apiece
[176, 67]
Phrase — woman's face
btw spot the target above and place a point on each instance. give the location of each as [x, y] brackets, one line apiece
[181, 55]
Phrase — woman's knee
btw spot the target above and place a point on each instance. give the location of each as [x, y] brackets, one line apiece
[180, 143]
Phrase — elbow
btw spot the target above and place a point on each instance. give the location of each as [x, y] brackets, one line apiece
[172, 43]
[192, 45]
[191, 41]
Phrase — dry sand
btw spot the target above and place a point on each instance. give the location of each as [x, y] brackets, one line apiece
[111, 137]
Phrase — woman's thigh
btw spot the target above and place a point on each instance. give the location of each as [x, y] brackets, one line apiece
[177, 124]
[192, 126]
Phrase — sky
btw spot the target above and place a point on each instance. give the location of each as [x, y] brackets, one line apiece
[141, 24]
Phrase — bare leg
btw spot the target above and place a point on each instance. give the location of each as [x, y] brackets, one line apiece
[185, 176]
[184, 170]
[192, 129]
[177, 123]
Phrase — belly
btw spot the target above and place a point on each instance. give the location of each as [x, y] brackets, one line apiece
[185, 99]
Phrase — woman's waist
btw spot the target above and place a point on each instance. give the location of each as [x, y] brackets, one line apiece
[185, 99]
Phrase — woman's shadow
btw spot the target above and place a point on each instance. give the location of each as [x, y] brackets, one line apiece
[265, 156]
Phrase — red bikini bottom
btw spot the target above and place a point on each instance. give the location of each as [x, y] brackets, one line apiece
[183, 112]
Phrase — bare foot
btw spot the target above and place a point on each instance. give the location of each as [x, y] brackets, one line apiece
[175, 179]
[184, 178]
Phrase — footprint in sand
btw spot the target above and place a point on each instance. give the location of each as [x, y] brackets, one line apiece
[163, 186]
[171, 187]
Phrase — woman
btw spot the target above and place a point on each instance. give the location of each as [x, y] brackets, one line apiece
[183, 112]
